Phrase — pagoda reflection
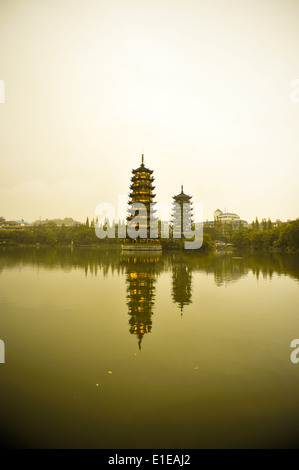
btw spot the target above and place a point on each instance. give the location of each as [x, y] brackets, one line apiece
[181, 285]
[141, 273]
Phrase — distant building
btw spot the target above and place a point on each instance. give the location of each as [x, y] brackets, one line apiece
[22, 222]
[230, 218]
[11, 224]
[277, 223]
[220, 216]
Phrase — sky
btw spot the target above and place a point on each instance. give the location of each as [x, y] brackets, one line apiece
[208, 90]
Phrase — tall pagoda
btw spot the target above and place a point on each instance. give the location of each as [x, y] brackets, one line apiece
[182, 215]
[142, 191]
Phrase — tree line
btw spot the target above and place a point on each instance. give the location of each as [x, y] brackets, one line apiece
[257, 236]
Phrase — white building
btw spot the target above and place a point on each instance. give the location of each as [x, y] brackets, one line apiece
[229, 217]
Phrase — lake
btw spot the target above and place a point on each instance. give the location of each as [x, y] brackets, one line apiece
[174, 350]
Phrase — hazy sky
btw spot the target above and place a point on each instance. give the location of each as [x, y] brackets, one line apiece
[202, 86]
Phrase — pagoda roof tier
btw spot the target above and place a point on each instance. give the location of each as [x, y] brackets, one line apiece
[186, 217]
[143, 180]
[146, 179]
[142, 169]
[141, 184]
[149, 196]
[141, 190]
[182, 198]
[181, 207]
[182, 195]
[130, 203]
[180, 210]
[143, 199]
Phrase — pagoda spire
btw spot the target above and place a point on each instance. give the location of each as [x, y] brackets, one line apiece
[142, 159]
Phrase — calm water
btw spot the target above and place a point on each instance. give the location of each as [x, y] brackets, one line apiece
[105, 350]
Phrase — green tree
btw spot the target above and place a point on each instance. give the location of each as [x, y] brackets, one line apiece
[264, 224]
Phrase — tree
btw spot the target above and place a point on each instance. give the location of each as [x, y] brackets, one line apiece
[264, 224]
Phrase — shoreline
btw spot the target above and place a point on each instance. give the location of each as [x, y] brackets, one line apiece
[165, 248]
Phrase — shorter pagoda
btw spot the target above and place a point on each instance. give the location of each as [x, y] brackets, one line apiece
[182, 216]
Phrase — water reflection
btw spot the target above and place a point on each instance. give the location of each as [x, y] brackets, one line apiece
[225, 267]
[229, 269]
[181, 285]
[141, 275]
[142, 270]
[223, 366]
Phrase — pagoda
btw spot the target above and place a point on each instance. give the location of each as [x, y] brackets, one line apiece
[142, 191]
[182, 215]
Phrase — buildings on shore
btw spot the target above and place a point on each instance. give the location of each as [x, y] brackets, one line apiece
[224, 217]
[12, 224]
[229, 218]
